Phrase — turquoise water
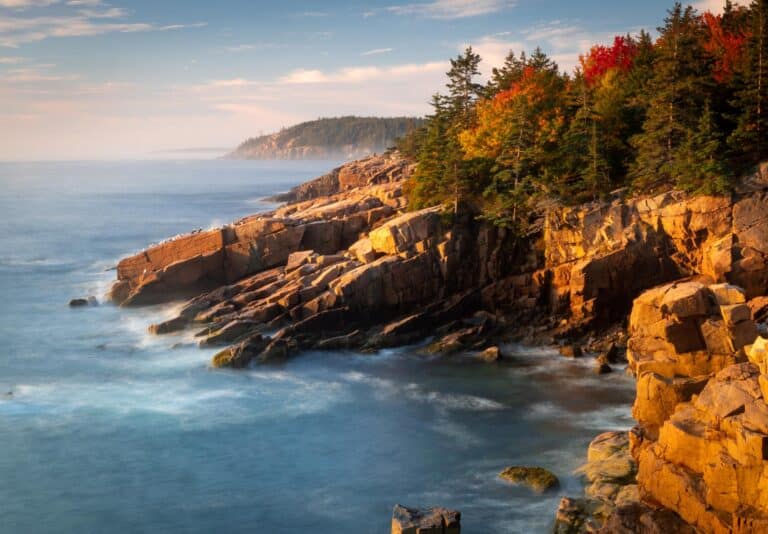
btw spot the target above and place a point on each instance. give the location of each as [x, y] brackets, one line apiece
[104, 428]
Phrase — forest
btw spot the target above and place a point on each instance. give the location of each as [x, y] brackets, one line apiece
[336, 132]
[686, 108]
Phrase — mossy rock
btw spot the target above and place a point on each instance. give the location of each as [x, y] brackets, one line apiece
[538, 478]
[222, 359]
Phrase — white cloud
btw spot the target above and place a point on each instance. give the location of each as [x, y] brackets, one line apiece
[716, 6]
[35, 74]
[249, 47]
[115, 119]
[359, 74]
[305, 76]
[17, 30]
[234, 82]
[377, 51]
[13, 60]
[22, 4]
[452, 9]
[111, 13]
[564, 42]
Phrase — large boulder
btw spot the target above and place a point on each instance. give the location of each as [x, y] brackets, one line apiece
[425, 521]
[710, 463]
[537, 478]
[404, 232]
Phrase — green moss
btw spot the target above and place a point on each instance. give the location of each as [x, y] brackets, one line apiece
[538, 478]
[222, 359]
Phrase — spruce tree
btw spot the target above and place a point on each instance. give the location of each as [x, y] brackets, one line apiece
[678, 90]
[502, 78]
[463, 90]
[699, 165]
[748, 140]
[586, 170]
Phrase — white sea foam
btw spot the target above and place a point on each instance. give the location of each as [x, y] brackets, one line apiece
[415, 392]
[459, 434]
[611, 417]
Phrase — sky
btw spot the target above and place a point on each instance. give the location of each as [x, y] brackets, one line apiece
[136, 79]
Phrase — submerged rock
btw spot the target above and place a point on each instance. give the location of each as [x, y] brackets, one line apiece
[82, 302]
[425, 521]
[240, 355]
[575, 516]
[167, 327]
[491, 354]
[602, 368]
[571, 351]
[636, 517]
[538, 478]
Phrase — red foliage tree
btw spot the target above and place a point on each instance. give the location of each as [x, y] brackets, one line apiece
[602, 58]
[725, 47]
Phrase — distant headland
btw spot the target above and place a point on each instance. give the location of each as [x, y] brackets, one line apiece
[328, 138]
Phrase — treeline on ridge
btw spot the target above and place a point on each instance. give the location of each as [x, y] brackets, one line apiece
[339, 132]
[688, 109]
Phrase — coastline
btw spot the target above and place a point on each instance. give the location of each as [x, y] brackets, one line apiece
[396, 277]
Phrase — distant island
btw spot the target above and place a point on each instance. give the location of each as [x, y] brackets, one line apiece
[328, 138]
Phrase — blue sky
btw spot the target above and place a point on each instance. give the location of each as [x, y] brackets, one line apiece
[94, 79]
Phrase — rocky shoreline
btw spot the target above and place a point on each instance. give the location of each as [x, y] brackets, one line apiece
[344, 265]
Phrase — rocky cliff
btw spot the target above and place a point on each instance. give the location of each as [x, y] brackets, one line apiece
[345, 265]
[345, 247]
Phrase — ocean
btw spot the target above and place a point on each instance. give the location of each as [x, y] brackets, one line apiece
[105, 428]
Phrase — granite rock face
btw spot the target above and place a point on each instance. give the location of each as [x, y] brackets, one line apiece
[701, 443]
[191, 264]
[360, 173]
[599, 257]
[344, 257]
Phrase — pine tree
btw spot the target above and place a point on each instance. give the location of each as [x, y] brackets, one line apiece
[678, 90]
[463, 91]
[749, 137]
[502, 78]
[426, 187]
[586, 170]
[699, 166]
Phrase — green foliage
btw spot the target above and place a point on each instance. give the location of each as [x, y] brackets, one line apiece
[699, 166]
[687, 110]
[376, 132]
[749, 138]
[679, 87]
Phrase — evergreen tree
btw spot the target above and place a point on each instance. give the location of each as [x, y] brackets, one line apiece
[699, 166]
[749, 137]
[502, 78]
[678, 90]
[586, 170]
[463, 91]
[426, 188]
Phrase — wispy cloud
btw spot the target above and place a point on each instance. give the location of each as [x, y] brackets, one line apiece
[23, 4]
[19, 29]
[234, 82]
[377, 51]
[358, 74]
[312, 14]
[12, 60]
[35, 74]
[251, 47]
[452, 9]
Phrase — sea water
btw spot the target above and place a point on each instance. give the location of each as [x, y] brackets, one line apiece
[104, 428]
